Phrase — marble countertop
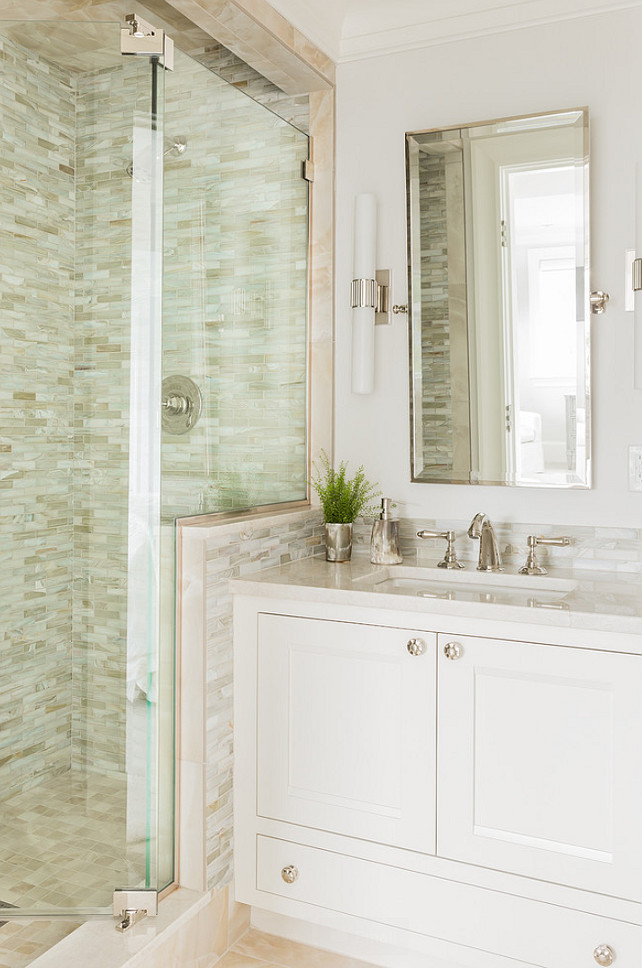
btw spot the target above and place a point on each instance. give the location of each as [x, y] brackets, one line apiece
[589, 600]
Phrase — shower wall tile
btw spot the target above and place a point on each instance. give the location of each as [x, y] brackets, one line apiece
[294, 108]
[37, 107]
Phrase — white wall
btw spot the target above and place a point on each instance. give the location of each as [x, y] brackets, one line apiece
[594, 61]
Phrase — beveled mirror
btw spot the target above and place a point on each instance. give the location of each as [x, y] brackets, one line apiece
[499, 301]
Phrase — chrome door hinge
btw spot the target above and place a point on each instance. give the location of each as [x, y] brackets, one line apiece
[504, 234]
[307, 170]
[130, 907]
[139, 37]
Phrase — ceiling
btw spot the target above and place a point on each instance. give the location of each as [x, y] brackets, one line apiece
[352, 29]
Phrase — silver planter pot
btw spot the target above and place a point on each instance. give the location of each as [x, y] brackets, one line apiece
[338, 542]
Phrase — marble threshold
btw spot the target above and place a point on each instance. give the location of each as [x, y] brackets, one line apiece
[191, 931]
[152, 943]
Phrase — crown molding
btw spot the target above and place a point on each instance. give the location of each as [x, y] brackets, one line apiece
[513, 15]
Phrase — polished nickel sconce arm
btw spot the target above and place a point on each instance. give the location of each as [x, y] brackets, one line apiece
[373, 294]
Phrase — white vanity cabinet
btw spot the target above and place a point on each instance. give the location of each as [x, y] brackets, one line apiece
[476, 798]
[346, 729]
[539, 762]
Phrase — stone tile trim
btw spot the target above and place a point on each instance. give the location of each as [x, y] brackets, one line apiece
[232, 549]
[255, 32]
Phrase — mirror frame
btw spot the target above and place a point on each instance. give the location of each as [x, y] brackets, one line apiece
[586, 288]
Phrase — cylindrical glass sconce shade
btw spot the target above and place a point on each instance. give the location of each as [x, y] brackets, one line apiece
[637, 296]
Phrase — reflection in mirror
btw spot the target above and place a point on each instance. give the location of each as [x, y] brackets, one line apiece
[499, 325]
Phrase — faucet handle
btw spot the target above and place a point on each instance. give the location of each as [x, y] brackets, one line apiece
[450, 559]
[532, 566]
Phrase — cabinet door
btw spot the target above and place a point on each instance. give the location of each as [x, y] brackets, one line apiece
[539, 762]
[346, 729]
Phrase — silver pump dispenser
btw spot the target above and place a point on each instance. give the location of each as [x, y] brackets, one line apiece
[385, 544]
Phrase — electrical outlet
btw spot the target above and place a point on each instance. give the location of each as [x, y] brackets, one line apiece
[635, 468]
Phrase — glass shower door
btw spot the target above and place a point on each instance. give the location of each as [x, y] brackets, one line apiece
[235, 295]
[81, 669]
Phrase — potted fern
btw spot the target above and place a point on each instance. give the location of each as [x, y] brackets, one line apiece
[343, 499]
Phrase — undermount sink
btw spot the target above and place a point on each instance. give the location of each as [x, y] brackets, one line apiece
[474, 586]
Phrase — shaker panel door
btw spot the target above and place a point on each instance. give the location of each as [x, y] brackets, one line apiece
[540, 762]
[346, 729]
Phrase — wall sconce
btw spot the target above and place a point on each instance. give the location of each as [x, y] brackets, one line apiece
[635, 302]
[370, 294]
[636, 285]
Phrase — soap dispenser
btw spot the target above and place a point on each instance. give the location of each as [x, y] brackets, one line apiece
[385, 544]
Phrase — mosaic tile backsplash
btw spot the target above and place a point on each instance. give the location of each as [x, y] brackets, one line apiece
[235, 216]
[617, 550]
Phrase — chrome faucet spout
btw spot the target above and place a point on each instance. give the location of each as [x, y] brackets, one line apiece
[489, 557]
[474, 531]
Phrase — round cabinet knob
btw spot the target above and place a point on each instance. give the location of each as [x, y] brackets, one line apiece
[416, 646]
[453, 650]
[290, 874]
[604, 955]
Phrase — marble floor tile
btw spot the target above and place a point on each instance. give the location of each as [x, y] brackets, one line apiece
[23, 941]
[66, 843]
[234, 959]
[270, 951]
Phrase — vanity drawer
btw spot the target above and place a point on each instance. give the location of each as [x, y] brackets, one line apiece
[502, 924]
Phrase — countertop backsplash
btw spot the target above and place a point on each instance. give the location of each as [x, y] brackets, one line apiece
[591, 549]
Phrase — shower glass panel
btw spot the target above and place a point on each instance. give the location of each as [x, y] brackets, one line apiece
[234, 295]
[101, 154]
[82, 675]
